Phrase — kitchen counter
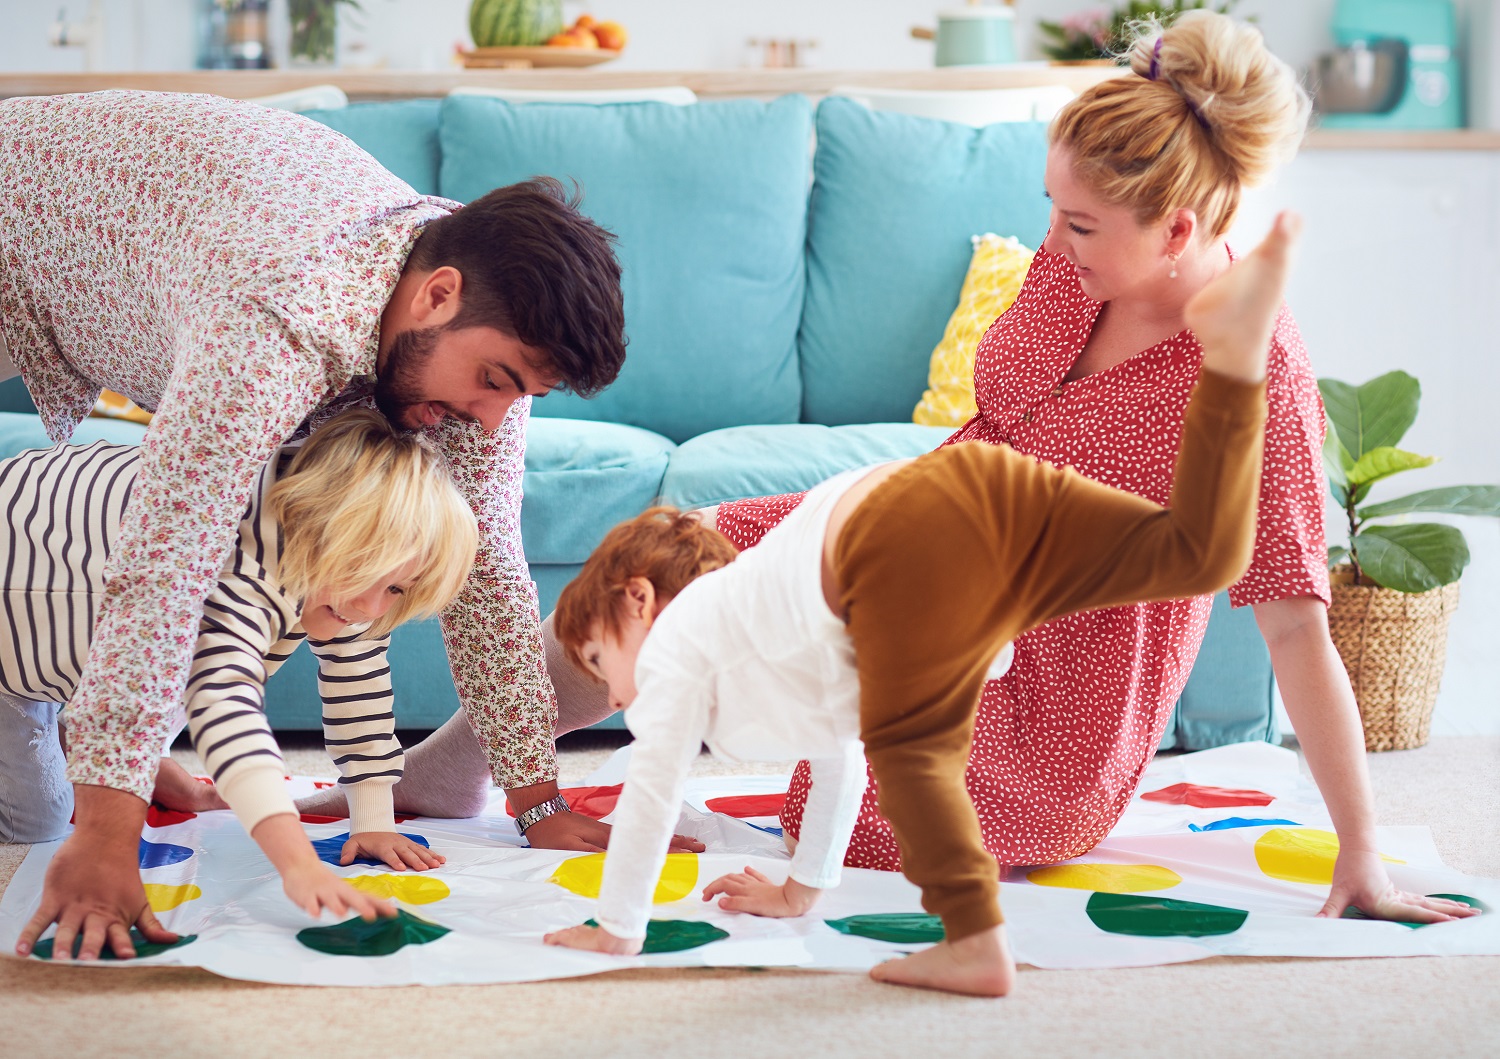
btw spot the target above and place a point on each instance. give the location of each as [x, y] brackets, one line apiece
[393, 84]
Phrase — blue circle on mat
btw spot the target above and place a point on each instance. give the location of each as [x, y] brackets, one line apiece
[330, 849]
[1238, 821]
[160, 854]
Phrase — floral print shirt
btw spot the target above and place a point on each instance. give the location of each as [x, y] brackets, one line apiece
[225, 266]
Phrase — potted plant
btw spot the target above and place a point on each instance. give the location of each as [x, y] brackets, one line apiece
[1395, 585]
[314, 36]
[1095, 36]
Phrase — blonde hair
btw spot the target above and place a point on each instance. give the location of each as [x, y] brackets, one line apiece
[361, 499]
[667, 547]
[1211, 111]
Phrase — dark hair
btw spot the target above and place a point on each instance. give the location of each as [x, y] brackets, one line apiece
[536, 268]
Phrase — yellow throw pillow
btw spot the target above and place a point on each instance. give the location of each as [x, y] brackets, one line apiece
[996, 272]
[111, 405]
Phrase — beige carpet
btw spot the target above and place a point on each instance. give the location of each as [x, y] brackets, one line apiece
[1259, 1008]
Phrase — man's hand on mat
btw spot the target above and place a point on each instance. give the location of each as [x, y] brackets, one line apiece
[750, 891]
[1360, 880]
[578, 832]
[93, 885]
[593, 939]
[396, 851]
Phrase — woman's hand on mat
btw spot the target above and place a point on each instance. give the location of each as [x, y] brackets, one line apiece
[394, 850]
[593, 939]
[750, 891]
[578, 832]
[1360, 880]
[312, 888]
[93, 885]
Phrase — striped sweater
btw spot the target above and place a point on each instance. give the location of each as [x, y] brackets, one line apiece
[61, 515]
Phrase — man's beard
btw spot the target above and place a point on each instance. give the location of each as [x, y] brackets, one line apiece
[398, 386]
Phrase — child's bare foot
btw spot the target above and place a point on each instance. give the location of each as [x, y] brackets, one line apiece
[177, 789]
[1234, 315]
[979, 965]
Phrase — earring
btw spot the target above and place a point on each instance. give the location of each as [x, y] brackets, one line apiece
[1173, 258]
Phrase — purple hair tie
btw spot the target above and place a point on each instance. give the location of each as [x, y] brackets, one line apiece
[1155, 61]
[1155, 74]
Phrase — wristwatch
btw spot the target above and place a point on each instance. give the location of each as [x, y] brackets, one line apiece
[541, 812]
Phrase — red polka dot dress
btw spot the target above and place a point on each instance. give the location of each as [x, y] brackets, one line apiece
[1061, 740]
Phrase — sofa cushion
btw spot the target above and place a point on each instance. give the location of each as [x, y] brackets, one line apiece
[894, 203]
[402, 135]
[739, 462]
[709, 203]
[20, 431]
[581, 479]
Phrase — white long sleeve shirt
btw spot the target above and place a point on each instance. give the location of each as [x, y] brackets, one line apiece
[60, 519]
[750, 660]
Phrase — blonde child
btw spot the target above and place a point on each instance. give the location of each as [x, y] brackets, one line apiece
[834, 638]
[349, 533]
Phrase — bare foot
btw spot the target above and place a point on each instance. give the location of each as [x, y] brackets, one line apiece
[979, 965]
[1234, 315]
[177, 789]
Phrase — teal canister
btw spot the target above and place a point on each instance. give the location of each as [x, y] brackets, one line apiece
[976, 36]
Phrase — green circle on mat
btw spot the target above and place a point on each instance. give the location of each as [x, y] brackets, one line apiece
[1354, 912]
[384, 936]
[1161, 917]
[143, 948]
[903, 927]
[676, 935]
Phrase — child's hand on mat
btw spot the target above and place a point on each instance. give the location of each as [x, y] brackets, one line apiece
[750, 891]
[1359, 879]
[593, 939]
[312, 888]
[396, 851]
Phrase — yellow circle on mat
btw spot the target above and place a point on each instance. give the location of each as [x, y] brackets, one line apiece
[582, 875]
[1305, 855]
[162, 897]
[1106, 878]
[413, 889]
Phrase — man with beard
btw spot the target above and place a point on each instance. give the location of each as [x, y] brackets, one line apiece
[245, 273]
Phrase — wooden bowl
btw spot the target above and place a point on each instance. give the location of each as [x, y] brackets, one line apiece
[521, 57]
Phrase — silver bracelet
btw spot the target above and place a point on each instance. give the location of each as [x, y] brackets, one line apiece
[541, 812]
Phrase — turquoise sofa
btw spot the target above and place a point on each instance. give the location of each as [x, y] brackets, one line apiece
[787, 272]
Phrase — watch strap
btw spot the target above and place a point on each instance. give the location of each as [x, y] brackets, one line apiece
[540, 812]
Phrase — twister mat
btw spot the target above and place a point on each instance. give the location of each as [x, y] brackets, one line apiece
[1223, 852]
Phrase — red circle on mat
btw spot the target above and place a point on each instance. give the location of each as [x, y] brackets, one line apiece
[156, 816]
[597, 802]
[314, 818]
[1207, 797]
[747, 804]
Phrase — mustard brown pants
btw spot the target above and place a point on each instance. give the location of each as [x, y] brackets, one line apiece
[959, 553]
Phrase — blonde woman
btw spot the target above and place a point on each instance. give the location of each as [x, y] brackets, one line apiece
[1091, 368]
[348, 534]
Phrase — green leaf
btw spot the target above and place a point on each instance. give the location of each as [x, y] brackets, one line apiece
[1414, 558]
[1337, 554]
[1382, 463]
[1336, 459]
[1450, 500]
[1374, 415]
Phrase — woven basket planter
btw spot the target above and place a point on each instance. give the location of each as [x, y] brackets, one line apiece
[1394, 645]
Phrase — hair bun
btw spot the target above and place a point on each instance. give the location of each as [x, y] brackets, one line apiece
[1249, 101]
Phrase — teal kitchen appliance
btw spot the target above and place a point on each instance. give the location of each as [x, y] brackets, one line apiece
[975, 35]
[1395, 67]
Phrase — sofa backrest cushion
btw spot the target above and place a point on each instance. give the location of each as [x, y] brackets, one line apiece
[709, 203]
[895, 201]
[402, 135]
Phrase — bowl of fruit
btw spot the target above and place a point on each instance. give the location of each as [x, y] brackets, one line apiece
[527, 33]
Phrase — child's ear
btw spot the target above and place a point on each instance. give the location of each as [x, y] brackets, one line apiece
[640, 599]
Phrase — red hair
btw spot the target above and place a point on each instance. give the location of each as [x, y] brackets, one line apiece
[667, 547]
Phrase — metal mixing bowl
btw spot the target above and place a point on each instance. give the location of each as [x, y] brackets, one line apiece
[1361, 79]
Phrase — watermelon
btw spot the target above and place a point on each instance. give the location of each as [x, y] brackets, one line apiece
[507, 23]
